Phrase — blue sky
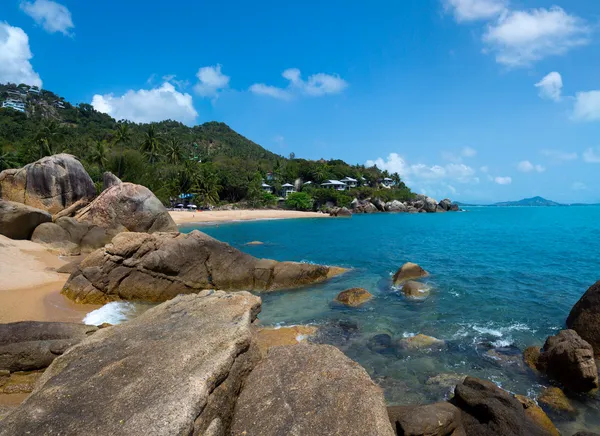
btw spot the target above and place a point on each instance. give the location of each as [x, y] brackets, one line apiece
[478, 100]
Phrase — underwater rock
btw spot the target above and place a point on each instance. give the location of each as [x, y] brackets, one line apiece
[409, 271]
[440, 419]
[255, 243]
[416, 290]
[420, 342]
[380, 343]
[354, 297]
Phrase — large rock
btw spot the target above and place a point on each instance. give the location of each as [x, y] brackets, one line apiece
[31, 345]
[51, 184]
[354, 297]
[440, 419]
[416, 290]
[489, 410]
[379, 204]
[174, 370]
[157, 267]
[109, 180]
[537, 415]
[363, 206]
[445, 204]
[409, 271]
[310, 390]
[555, 400]
[18, 221]
[569, 360]
[127, 207]
[585, 317]
[395, 206]
[71, 237]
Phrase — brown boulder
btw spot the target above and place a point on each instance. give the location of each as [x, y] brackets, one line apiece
[409, 271]
[487, 410]
[70, 236]
[531, 356]
[569, 360]
[269, 337]
[158, 267]
[555, 400]
[416, 290]
[127, 207]
[537, 415]
[109, 180]
[18, 221]
[174, 370]
[354, 297]
[585, 317]
[51, 184]
[32, 345]
[440, 419]
[310, 390]
[420, 341]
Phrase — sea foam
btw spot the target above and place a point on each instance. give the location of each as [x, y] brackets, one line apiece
[115, 312]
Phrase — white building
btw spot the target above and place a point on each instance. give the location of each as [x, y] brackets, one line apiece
[287, 189]
[350, 182]
[266, 188]
[14, 104]
[388, 182]
[334, 184]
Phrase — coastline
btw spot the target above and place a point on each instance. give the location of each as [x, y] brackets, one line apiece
[30, 286]
[223, 216]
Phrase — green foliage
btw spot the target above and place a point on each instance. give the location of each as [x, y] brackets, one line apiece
[299, 201]
[206, 185]
[322, 196]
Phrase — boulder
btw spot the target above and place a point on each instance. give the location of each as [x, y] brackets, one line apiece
[454, 207]
[379, 204]
[569, 360]
[175, 369]
[109, 180]
[71, 237]
[420, 341]
[445, 204]
[157, 267]
[555, 400]
[363, 206]
[51, 183]
[417, 290]
[18, 221]
[531, 356]
[585, 317]
[340, 211]
[537, 415]
[32, 345]
[488, 410]
[354, 297]
[255, 243]
[395, 206]
[440, 419]
[409, 271]
[430, 205]
[71, 210]
[20, 382]
[268, 337]
[310, 390]
[127, 207]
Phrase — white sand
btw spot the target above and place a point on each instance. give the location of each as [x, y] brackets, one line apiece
[182, 217]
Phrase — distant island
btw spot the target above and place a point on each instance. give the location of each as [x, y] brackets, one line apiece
[526, 202]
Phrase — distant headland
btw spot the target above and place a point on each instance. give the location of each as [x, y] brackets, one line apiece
[527, 202]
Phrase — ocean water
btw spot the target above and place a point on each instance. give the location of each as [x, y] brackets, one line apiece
[502, 279]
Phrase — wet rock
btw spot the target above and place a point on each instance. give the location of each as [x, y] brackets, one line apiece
[175, 369]
[585, 317]
[21, 382]
[555, 400]
[537, 415]
[51, 183]
[18, 221]
[440, 419]
[33, 345]
[531, 356]
[570, 360]
[380, 343]
[586, 433]
[70, 267]
[354, 297]
[488, 410]
[409, 271]
[268, 337]
[420, 342]
[310, 390]
[412, 289]
[445, 382]
[507, 357]
[157, 267]
[109, 180]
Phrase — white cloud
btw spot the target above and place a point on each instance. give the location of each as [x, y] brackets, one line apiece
[592, 155]
[52, 16]
[521, 37]
[15, 55]
[271, 91]
[560, 155]
[465, 152]
[317, 85]
[550, 87]
[484, 169]
[527, 167]
[211, 81]
[148, 105]
[469, 152]
[587, 106]
[503, 180]
[471, 10]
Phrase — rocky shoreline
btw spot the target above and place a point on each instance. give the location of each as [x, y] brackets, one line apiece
[198, 363]
[419, 204]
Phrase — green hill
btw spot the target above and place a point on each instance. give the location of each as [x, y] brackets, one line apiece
[210, 160]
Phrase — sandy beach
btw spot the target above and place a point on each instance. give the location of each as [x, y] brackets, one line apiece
[219, 216]
[30, 286]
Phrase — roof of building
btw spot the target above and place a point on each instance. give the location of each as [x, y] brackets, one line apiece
[349, 179]
[264, 185]
[287, 185]
[387, 179]
[333, 182]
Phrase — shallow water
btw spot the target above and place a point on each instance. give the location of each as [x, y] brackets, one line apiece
[502, 278]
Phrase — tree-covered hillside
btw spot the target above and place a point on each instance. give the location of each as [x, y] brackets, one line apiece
[211, 160]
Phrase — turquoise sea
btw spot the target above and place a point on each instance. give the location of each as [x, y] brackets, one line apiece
[502, 278]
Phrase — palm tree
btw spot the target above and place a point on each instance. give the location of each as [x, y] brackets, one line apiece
[321, 173]
[206, 185]
[122, 136]
[396, 179]
[174, 152]
[151, 145]
[7, 159]
[48, 138]
[99, 154]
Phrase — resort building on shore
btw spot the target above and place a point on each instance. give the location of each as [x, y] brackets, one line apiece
[14, 104]
[334, 184]
[350, 182]
[387, 182]
[266, 188]
[287, 189]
